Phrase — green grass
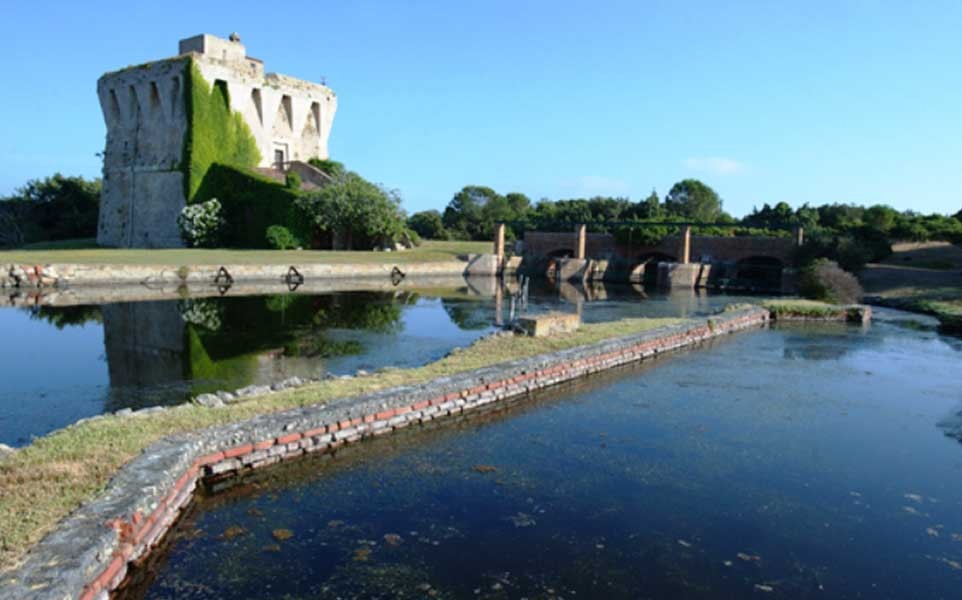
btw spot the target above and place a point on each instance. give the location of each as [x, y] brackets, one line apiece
[43, 482]
[948, 312]
[798, 307]
[75, 244]
[429, 251]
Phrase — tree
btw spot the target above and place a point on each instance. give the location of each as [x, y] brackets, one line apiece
[14, 217]
[518, 203]
[428, 225]
[881, 217]
[650, 207]
[464, 217]
[362, 213]
[63, 207]
[692, 199]
[779, 216]
[503, 209]
[807, 216]
[840, 217]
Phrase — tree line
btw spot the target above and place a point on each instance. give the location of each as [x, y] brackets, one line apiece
[846, 233]
[65, 208]
[50, 209]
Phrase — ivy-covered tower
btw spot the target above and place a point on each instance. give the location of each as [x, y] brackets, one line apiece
[168, 121]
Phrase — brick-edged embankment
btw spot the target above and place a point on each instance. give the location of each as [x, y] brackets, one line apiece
[88, 554]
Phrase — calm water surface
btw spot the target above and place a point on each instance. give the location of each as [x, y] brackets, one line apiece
[60, 364]
[798, 462]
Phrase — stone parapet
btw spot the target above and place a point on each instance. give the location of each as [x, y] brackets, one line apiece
[88, 555]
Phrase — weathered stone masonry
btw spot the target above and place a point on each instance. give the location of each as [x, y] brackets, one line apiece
[145, 111]
[88, 555]
[66, 275]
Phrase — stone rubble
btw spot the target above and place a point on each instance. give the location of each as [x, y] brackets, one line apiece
[29, 276]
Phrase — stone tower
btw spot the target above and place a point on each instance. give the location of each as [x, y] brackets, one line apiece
[149, 117]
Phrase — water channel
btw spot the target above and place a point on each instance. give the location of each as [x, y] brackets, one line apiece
[83, 357]
[806, 461]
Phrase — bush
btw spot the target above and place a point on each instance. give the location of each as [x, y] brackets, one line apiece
[292, 180]
[850, 251]
[281, 238]
[824, 280]
[332, 168]
[201, 225]
[361, 214]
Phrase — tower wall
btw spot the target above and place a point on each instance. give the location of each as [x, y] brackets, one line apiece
[145, 112]
[143, 182]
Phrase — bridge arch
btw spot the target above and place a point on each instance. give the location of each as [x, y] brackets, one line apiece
[654, 257]
[644, 267]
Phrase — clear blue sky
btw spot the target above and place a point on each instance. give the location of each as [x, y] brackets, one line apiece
[817, 102]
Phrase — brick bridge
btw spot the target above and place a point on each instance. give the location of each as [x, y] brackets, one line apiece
[683, 260]
[701, 248]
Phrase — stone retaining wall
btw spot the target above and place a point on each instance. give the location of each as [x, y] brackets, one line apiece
[87, 556]
[104, 274]
[107, 294]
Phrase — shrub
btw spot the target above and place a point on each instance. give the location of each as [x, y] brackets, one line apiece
[333, 168]
[201, 225]
[292, 180]
[824, 280]
[363, 214]
[281, 238]
[850, 251]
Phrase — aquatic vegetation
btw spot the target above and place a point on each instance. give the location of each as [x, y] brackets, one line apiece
[232, 532]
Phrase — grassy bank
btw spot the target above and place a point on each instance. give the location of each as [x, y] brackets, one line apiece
[429, 251]
[924, 278]
[41, 483]
[798, 308]
[948, 311]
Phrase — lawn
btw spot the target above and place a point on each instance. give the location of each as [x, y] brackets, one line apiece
[43, 482]
[74, 252]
